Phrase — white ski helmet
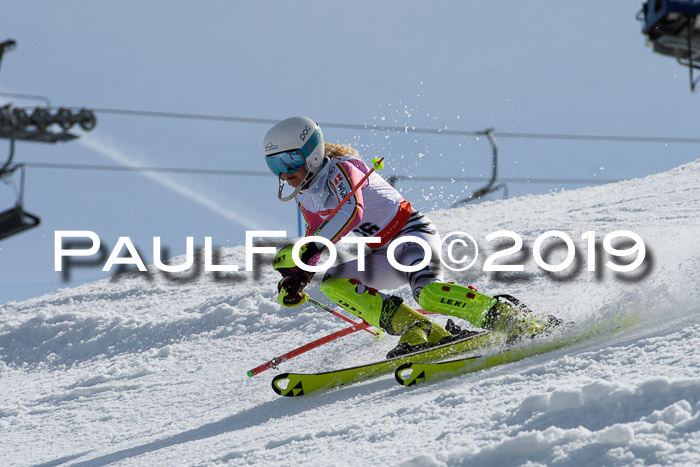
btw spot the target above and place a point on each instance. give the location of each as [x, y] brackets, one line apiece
[291, 144]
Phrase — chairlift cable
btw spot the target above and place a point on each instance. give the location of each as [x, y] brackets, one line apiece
[406, 129]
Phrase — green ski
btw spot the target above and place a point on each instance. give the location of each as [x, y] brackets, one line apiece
[298, 384]
[415, 372]
[412, 373]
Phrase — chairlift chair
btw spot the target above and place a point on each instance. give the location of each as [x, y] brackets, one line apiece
[15, 219]
[673, 29]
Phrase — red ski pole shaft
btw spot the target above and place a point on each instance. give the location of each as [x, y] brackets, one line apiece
[306, 347]
[339, 315]
[343, 332]
[349, 195]
[377, 163]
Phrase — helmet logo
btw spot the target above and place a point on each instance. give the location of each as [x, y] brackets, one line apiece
[305, 133]
[270, 147]
[311, 144]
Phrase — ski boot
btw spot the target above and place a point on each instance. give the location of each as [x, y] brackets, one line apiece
[516, 320]
[502, 313]
[456, 300]
[387, 312]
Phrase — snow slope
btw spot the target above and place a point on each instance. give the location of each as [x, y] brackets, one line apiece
[152, 372]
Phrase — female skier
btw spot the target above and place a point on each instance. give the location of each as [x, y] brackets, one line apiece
[322, 174]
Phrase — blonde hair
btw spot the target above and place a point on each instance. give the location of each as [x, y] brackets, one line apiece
[339, 150]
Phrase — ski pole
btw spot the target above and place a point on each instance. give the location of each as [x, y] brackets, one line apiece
[339, 315]
[306, 347]
[377, 164]
[312, 345]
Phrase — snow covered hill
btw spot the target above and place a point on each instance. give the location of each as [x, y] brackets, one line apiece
[152, 372]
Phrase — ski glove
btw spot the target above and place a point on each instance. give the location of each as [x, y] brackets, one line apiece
[291, 288]
[284, 263]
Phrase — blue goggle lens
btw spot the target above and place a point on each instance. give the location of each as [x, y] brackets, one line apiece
[285, 162]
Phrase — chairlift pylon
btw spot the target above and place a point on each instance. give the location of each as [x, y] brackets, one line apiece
[491, 186]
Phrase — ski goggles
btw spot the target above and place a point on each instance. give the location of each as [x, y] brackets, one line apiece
[285, 162]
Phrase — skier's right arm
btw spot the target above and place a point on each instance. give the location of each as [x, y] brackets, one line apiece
[291, 289]
[294, 279]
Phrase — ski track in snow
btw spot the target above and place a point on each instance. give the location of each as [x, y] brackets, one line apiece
[146, 371]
